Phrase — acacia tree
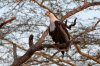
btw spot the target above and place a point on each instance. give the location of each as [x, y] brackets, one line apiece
[28, 17]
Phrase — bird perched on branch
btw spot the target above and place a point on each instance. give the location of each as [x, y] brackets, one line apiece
[56, 33]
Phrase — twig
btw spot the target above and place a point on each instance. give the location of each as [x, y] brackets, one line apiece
[57, 58]
[41, 5]
[8, 21]
[89, 30]
[13, 43]
[77, 47]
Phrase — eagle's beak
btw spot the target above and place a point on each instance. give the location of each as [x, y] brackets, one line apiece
[47, 13]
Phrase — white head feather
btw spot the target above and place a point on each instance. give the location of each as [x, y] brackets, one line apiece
[52, 20]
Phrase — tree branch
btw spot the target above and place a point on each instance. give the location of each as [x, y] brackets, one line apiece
[86, 55]
[80, 8]
[35, 48]
[77, 47]
[31, 50]
[43, 6]
[31, 41]
[89, 30]
[8, 21]
[55, 61]
[11, 42]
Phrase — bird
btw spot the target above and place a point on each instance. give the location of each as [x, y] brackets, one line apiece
[55, 31]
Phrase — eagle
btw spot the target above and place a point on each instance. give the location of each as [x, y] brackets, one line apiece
[55, 32]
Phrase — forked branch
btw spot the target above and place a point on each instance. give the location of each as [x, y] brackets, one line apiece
[70, 26]
[77, 47]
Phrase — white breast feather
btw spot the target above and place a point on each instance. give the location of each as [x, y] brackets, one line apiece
[52, 22]
[52, 26]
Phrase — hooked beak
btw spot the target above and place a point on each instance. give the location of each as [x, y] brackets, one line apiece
[47, 13]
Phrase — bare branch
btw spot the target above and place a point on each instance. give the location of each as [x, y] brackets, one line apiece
[78, 9]
[73, 24]
[86, 55]
[41, 40]
[8, 21]
[31, 41]
[55, 61]
[31, 50]
[89, 30]
[77, 47]
[11, 42]
[41, 5]
[38, 46]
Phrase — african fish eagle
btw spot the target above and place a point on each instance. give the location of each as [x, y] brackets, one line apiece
[55, 32]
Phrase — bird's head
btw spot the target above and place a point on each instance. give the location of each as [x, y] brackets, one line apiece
[49, 14]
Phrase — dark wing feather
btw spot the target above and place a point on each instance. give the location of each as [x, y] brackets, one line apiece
[58, 36]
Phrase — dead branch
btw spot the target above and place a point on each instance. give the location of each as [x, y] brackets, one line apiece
[89, 30]
[78, 9]
[13, 43]
[31, 41]
[86, 55]
[39, 46]
[57, 58]
[43, 6]
[72, 12]
[41, 40]
[36, 47]
[8, 21]
[31, 50]
[77, 47]
[73, 24]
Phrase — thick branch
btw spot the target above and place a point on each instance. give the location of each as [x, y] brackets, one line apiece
[35, 48]
[79, 9]
[8, 21]
[31, 50]
[41, 40]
